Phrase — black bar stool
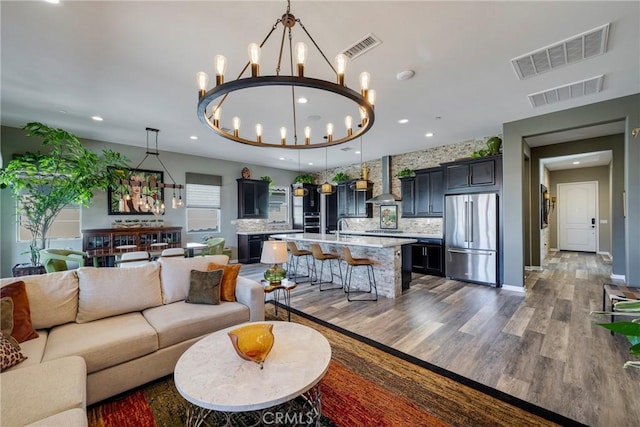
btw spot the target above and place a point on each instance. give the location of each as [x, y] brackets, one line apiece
[359, 262]
[295, 253]
[318, 255]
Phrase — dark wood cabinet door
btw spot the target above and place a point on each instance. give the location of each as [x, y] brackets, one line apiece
[457, 176]
[408, 197]
[482, 173]
[422, 201]
[433, 260]
[436, 193]
[342, 200]
[253, 198]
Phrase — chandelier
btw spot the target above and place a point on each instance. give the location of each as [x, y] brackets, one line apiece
[152, 200]
[211, 108]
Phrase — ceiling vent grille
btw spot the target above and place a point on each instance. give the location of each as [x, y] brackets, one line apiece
[574, 49]
[362, 46]
[570, 91]
[346, 149]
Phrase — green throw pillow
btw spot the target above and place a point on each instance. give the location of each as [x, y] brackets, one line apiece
[204, 287]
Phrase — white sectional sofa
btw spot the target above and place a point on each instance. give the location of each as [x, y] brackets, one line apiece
[103, 331]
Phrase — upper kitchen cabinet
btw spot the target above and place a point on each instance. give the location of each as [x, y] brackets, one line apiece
[482, 174]
[352, 203]
[253, 198]
[423, 194]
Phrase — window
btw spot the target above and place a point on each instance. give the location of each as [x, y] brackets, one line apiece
[279, 205]
[203, 202]
[65, 226]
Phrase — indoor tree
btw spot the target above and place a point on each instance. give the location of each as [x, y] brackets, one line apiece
[44, 183]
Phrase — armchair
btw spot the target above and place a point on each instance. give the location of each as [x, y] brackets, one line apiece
[57, 259]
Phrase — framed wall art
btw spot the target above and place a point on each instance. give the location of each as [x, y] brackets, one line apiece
[136, 199]
[389, 216]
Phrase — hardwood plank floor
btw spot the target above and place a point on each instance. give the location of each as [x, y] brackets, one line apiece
[541, 346]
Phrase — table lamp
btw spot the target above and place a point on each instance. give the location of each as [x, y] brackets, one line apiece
[274, 252]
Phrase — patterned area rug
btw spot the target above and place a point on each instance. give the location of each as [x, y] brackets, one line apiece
[365, 386]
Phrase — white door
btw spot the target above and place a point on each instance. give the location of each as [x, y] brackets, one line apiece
[577, 216]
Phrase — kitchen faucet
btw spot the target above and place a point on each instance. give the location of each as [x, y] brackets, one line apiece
[341, 221]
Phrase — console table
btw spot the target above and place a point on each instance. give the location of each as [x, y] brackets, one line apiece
[103, 244]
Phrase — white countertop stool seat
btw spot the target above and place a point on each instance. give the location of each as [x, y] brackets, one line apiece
[323, 257]
[359, 262]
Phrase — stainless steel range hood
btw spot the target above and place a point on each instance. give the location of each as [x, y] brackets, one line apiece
[386, 196]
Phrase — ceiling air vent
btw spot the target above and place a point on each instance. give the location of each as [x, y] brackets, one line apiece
[563, 93]
[574, 49]
[362, 46]
[346, 149]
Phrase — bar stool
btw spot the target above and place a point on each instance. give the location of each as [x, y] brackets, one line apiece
[318, 255]
[295, 253]
[359, 262]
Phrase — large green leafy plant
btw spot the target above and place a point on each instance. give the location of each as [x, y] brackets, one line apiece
[44, 183]
[630, 329]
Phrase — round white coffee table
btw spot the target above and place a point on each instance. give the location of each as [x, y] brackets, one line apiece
[211, 376]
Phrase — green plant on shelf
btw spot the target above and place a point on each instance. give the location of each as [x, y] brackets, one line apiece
[341, 176]
[405, 173]
[303, 179]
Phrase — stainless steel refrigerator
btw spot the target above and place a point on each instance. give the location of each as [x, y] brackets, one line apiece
[471, 237]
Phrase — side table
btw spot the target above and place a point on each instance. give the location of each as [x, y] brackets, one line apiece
[283, 288]
[616, 293]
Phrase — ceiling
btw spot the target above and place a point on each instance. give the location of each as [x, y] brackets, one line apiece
[576, 161]
[134, 64]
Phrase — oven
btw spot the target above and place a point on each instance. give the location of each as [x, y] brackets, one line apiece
[311, 222]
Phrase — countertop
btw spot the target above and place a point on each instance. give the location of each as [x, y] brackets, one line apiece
[406, 234]
[252, 233]
[352, 240]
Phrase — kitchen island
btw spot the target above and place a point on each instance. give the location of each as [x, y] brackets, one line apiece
[386, 252]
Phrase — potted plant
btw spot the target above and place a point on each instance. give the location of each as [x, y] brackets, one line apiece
[303, 179]
[405, 173]
[630, 329]
[269, 180]
[44, 183]
[340, 176]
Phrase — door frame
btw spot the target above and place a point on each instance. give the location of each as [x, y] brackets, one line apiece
[597, 211]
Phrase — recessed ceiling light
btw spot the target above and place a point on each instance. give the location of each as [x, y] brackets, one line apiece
[576, 163]
[53, 1]
[403, 121]
[193, 137]
[62, 112]
[282, 158]
[429, 134]
[302, 100]
[357, 152]
[310, 163]
[405, 75]
[97, 118]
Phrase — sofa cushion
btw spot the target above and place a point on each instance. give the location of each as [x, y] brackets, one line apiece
[70, 418]
[229, 278]
[204, 287]
[53, 297]
[10, 355]
[180, 321]
[175, 274]
[106, 292]
[33, 350]
[43, 390]
[6, 320]
[22, 327]
[105, 342]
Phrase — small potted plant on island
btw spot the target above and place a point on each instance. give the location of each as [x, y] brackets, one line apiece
[44, 183]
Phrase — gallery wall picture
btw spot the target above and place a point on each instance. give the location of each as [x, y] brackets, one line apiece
[137, 198]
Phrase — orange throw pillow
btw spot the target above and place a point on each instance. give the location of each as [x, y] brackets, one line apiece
[229, 277]
[22, 327]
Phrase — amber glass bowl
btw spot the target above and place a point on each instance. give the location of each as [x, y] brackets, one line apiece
[253, 342]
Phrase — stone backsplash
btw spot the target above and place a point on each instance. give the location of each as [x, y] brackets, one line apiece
[254, 225]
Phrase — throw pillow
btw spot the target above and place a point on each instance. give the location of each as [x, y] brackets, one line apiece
[6, 320]
[204, 287]
[229, 278]
[22, 327]
[9, 355]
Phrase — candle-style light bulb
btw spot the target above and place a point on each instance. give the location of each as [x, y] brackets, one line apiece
[365, 80]
[329, 132]
[341, 66]
[363, 116]
[236, 126]
[220, 65]
[307, 135]
[217, 110]
[348, 123]
[203, 81]
[283, 135]
[301, 57]
[259, 132]
[371, 97]
[254, 58]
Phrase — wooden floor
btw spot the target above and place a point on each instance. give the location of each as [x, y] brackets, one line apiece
[540, 346]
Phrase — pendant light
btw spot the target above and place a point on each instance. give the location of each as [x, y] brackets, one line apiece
[326, 187]
[361, 184]
[298, 187]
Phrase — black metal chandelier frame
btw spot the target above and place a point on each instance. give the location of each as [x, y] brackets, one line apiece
[207, 105]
